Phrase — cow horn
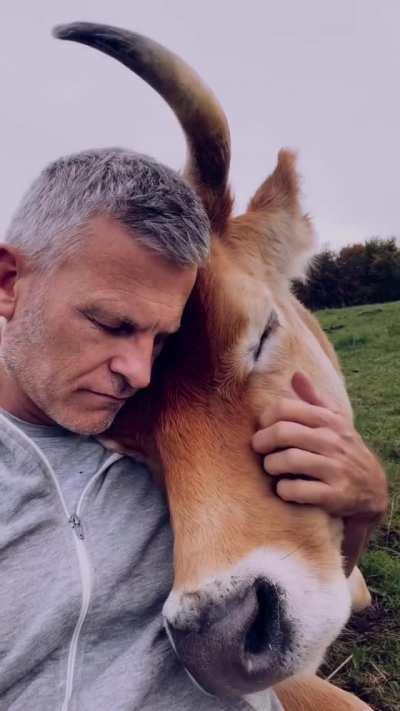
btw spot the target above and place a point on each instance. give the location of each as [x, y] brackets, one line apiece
[199, 113]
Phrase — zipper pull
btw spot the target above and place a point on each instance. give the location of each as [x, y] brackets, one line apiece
[76, 524]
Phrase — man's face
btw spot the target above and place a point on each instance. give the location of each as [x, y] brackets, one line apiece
[76, 349]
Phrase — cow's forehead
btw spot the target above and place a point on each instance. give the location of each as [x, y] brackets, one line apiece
[244, 288]
[249, 291]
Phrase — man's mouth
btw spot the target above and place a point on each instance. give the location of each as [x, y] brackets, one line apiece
[106, 395]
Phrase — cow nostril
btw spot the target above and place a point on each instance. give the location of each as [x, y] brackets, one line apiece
[236, 644]
[265, 626]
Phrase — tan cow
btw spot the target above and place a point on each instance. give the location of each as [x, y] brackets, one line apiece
[259, 590]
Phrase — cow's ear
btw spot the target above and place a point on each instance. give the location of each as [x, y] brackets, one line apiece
[288, 233]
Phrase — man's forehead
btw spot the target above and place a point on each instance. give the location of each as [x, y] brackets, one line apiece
[109, 255]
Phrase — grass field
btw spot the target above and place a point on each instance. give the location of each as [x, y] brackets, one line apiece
[367, 340]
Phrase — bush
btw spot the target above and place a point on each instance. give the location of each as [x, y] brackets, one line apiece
[359, 274]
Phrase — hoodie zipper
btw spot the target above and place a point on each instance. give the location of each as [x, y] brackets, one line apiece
[86, 580]
[76, 524]
[84, 563]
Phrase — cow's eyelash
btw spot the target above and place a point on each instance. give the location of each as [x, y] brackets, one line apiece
[271, 326]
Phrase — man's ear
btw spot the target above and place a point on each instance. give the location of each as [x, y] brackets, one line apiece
[10, 268]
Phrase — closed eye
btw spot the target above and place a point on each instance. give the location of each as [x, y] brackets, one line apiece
[271, 326]
[123, 329]
[127, 329]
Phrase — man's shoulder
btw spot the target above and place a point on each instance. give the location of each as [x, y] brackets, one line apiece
[134, 474]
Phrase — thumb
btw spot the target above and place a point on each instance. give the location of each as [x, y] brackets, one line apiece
[304, 389]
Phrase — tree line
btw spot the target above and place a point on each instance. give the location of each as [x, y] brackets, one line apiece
[358, 274]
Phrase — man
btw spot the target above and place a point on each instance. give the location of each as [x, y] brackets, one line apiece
[98, 263]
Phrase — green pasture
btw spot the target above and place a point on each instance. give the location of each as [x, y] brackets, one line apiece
[367, 340]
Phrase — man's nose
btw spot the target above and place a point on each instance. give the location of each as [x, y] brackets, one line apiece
[134, 361]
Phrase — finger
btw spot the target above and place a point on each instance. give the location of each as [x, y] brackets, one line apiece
[299, 491]
[301, 412]
[305, 390]
[297, 461]
[285, 435]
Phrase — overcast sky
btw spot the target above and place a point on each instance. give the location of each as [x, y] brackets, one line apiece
[321, 76]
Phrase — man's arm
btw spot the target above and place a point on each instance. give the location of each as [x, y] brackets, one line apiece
[307, 437]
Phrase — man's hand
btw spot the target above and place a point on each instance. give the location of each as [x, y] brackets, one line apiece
[309, 438]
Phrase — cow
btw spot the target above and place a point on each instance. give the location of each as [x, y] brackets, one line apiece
[259, 589]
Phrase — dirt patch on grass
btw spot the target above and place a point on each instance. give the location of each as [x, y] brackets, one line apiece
[373, 678]
[370, 644]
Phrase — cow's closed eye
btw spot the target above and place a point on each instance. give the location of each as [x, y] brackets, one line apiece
[271, 326]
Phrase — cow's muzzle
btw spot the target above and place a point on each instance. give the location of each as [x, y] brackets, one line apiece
[233, 644]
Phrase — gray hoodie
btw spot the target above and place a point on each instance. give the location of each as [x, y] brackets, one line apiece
[81, 591]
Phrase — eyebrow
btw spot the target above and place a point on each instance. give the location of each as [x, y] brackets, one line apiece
[99, 312]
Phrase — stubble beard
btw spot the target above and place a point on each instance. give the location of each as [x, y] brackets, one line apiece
[22, 357]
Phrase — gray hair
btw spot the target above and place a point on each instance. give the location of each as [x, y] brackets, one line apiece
[152, 201]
